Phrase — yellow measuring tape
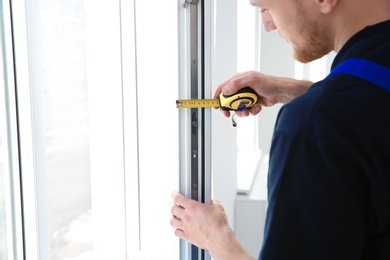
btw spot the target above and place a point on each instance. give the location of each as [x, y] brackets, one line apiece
[196, 103]
[243, 99]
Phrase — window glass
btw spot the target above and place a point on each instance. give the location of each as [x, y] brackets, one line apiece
[63, 75]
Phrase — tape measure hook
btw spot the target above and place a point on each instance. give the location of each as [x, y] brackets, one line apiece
[178, 103]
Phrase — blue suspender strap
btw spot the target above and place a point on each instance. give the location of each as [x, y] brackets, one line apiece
[366, 70]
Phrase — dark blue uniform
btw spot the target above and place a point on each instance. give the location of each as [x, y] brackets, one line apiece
[329, 175]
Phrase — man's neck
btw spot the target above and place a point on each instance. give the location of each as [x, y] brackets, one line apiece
[361, 14]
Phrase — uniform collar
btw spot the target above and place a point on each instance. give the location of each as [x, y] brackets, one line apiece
[353, 46]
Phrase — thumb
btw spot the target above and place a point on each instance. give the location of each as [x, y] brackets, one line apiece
[232, 87]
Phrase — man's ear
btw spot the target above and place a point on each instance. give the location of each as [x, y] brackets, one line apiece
[327, 6]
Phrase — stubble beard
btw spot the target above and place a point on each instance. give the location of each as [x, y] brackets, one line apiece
[315, 41]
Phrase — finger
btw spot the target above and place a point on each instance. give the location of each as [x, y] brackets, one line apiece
[218, 91]
[232, 87]
[235, 80]
[179, 199]
[180, 233]
[177, 210]
[217, 205]
[177, 223]
[255, 109]
[213, 202]
[243, 113]
[236, 83]
[223, 84]
[225, 113]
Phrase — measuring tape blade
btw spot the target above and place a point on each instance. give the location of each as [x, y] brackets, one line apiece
[197, 103]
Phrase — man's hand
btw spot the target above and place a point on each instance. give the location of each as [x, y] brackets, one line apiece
[205, 226]
[196, 222]
[270, 89]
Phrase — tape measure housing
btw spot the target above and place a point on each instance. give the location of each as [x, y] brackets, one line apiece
[243, 99]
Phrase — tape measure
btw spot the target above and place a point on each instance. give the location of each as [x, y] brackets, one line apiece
[241, 100]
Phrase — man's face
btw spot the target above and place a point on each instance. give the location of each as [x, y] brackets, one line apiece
[296, 22]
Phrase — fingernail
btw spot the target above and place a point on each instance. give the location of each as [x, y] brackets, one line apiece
[256, 108]
[226, 91]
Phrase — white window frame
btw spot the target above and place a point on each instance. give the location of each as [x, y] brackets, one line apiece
[9, 151]
[128, 150]
[31, 140]
[31, 134]
[130, 120]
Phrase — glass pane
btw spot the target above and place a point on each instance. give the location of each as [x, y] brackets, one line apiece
[63, 72]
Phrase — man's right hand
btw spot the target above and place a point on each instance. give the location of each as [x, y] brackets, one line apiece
[270, 89]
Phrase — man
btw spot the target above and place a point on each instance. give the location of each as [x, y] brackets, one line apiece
[329, 172]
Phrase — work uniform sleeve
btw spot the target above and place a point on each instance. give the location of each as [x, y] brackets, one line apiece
[317, 197]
